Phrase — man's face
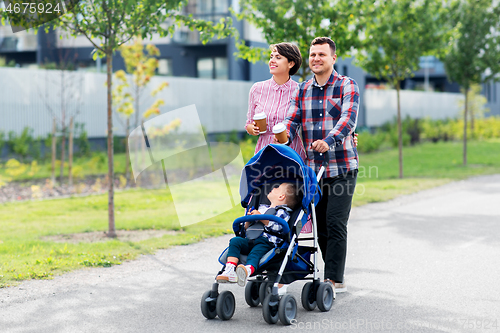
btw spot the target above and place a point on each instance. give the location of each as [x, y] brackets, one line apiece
[321, 59]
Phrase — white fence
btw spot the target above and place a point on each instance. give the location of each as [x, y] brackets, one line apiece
[26, 95]
[381, 105]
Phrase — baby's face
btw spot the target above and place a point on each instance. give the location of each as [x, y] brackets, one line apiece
[276, 193]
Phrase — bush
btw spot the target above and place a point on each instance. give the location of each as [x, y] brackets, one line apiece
[2, 141]
[118, 144]
[370, 142]
[444, 130]
[20, 144]
[81, 140]
[247, 149]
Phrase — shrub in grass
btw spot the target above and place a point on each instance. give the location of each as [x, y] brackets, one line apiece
[371, 142]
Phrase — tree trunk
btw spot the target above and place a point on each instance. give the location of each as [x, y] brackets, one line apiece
[137, 123]
[471, 111]
[63, 157]
[465, 126]
[400, 133]
[127, 153]
[111, 174]
[63, 127]
[54, 146]
[70, 150]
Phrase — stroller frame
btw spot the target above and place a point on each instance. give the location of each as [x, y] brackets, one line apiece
[259, 290]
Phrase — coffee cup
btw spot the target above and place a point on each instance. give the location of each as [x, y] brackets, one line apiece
[261, 121]
[279, 131]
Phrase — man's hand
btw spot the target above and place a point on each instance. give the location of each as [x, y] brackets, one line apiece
[355, 139]
[252, 129]
[275, 140]
[320, 146]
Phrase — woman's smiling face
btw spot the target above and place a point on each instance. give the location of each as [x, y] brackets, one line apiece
[278, 64]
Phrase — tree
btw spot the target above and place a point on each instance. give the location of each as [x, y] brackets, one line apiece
[142, 65]
[300, 22]
[68, 88]
[108, 24]
[476, 105]
[396, 34]
[474, 55]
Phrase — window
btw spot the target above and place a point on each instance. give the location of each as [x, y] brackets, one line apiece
[165, 67]
[212, 68]
[211, 10]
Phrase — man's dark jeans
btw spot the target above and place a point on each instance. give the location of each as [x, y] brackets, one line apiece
[332, 214]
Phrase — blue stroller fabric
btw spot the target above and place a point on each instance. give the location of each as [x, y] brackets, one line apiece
[278, 162]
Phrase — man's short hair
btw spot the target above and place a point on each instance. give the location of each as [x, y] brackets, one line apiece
[292, 196]
[291, 52]
[325, 40]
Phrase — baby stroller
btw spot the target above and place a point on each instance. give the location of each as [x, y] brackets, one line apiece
[284, 264]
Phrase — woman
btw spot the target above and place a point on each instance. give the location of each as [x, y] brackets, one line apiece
[273, 96]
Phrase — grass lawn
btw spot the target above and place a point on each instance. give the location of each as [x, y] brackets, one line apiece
[25, 254]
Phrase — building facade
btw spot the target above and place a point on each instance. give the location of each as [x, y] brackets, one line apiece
[183, 55]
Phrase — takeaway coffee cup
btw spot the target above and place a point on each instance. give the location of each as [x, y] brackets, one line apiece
[279, 131]
[261, 121]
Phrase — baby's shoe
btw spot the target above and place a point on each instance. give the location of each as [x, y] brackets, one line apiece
[282, 289]
[229, 275]
[243, 273]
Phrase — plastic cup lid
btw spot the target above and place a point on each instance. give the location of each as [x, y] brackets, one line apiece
[278, 128]
[259, 116]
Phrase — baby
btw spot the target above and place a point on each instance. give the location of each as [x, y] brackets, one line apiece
[284, 199]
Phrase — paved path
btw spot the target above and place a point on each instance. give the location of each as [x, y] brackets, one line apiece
[428, 262]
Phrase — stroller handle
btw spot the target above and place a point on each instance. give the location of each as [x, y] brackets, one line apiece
[326, 158]
[251, 218]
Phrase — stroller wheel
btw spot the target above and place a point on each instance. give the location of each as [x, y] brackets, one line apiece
[225, 305]
[208, 307]
[252, 293]
[287, 310]
[308, 297]
[325, 297]
[265, 289]
[270, 309]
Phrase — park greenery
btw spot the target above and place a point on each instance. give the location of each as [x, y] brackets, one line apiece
[108, 25]
[474, 53]
[35, 235]
[300, 22]
[396, 34]
[387, 38]
[128, 94]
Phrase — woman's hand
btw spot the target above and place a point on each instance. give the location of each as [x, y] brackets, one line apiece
[252, 129]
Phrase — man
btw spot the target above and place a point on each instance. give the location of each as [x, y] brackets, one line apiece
[325, 108]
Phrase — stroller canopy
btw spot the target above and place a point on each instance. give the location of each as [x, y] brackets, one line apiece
[277, 162]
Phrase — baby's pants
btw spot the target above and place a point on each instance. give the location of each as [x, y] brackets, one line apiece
[240, 245]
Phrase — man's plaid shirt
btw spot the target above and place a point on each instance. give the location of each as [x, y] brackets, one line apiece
[326, 113]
